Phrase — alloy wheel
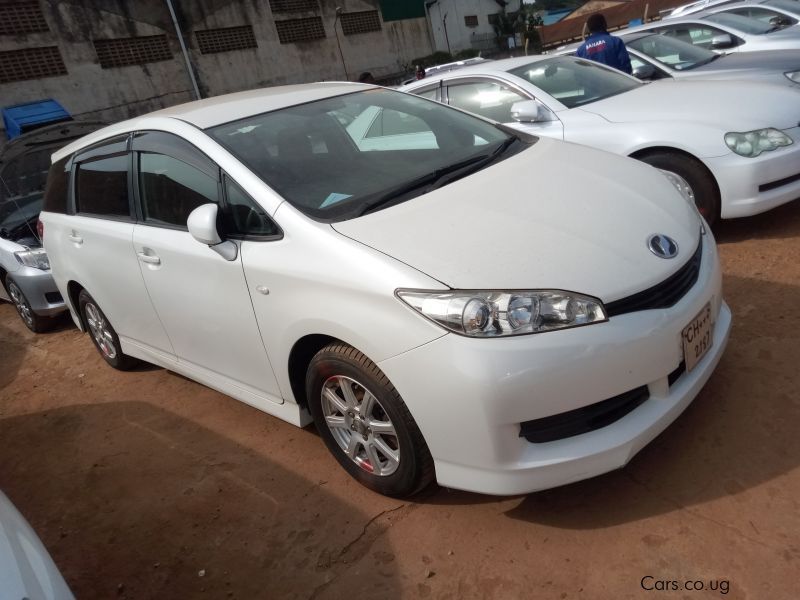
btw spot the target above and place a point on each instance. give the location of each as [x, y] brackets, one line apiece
[21, 304]
[100, 330]
[360, 425]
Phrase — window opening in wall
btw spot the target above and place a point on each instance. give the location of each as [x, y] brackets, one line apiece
[122, 52]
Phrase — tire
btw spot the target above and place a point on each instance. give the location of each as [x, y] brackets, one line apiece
[699, 179]
[350, 399]
[34, 322]
[103, 336]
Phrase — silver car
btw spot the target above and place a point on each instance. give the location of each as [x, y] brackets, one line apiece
[25, 278]
[655, 56]
[724, 33]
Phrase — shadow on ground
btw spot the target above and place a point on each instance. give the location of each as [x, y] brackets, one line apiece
[133, 501]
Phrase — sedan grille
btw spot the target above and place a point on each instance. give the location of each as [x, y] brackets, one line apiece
[664, 294]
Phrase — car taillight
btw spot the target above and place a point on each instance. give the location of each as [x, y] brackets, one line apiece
[40, 229]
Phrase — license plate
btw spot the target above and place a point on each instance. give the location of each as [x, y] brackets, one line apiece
[697, 337]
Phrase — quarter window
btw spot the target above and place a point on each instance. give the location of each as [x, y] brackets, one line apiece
[170, 189]
[102, 187]
[247, 217]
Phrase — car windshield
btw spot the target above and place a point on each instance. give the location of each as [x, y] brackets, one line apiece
[671, 52]
[792, 6]
[574, 81]
[22, 182]
[337, 158]
[740, 23]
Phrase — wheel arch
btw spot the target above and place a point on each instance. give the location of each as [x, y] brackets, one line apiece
[73, 291]
[300, 357]
[3, 274]
[644, 152]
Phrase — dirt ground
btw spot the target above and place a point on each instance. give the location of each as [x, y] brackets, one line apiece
[147, 485]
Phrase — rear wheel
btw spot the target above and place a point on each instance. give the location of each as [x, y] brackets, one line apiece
[103, 336]
[698, 179]
[34, 322]
[365, 423]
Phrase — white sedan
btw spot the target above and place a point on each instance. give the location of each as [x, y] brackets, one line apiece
[723, 32]
[733, 145]
[443, 297]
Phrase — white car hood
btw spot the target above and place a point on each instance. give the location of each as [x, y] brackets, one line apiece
[26, 569]
[734, 105]
[744, 62]
[557, 215]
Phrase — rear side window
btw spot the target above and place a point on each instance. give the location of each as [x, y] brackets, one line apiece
[55, 194]
[170, 189]
[102, 187]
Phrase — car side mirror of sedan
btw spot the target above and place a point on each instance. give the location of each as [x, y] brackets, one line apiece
[644, 72]
[723, 40]
[202, 224]
[526, 111]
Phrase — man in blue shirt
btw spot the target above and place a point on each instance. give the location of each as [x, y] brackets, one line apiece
[604, 48]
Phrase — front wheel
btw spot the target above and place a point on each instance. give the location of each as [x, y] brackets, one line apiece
[700, 181]
[34, 322]
[103, 336]
[365, 423]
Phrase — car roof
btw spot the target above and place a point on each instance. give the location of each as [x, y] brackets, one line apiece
[217, 110]
[489, 66]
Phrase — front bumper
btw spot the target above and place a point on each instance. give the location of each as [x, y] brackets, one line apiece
[469, 396]
[749, 186]
[40, 290]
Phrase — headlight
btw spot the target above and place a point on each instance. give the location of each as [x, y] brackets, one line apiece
[685, 190]
[493, 314]
[34, 258]
[793, 75]
[753, 143]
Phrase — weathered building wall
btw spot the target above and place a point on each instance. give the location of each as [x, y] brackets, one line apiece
[120, 91]
[87, 89]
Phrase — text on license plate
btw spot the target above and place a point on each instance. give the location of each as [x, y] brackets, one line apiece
[697, 337]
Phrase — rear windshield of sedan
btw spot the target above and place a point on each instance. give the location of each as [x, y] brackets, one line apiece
[337, 158]
[744, 24]
[671, 52]
[574, 81]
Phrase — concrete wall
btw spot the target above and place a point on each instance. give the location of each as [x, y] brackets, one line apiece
[114, 94]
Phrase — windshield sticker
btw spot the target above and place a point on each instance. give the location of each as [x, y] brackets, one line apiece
[333, 198]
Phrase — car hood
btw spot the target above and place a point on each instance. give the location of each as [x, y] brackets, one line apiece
[733, 105]
[557, 215]
[766, 60]
[26, 569]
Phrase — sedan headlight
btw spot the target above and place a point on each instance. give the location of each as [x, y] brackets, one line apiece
[793, 75]
[753, 143]
[685, 190]
[493, 313]
[34, 258]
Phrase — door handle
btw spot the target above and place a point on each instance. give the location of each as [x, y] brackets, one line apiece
[148, 258]
[75, 238]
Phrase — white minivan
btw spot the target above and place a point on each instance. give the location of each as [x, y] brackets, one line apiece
[444, 297]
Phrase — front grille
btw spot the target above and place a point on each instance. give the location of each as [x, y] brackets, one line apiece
[664, 294]
[53, 297]
[584, 419]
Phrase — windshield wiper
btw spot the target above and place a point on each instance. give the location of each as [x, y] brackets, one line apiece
[438, 178]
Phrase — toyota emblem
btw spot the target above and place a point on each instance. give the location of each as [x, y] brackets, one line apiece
[662, 246]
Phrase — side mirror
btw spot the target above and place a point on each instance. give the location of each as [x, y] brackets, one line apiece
[644, 72]
[202, 225]
[526, 111]
[723, 40]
